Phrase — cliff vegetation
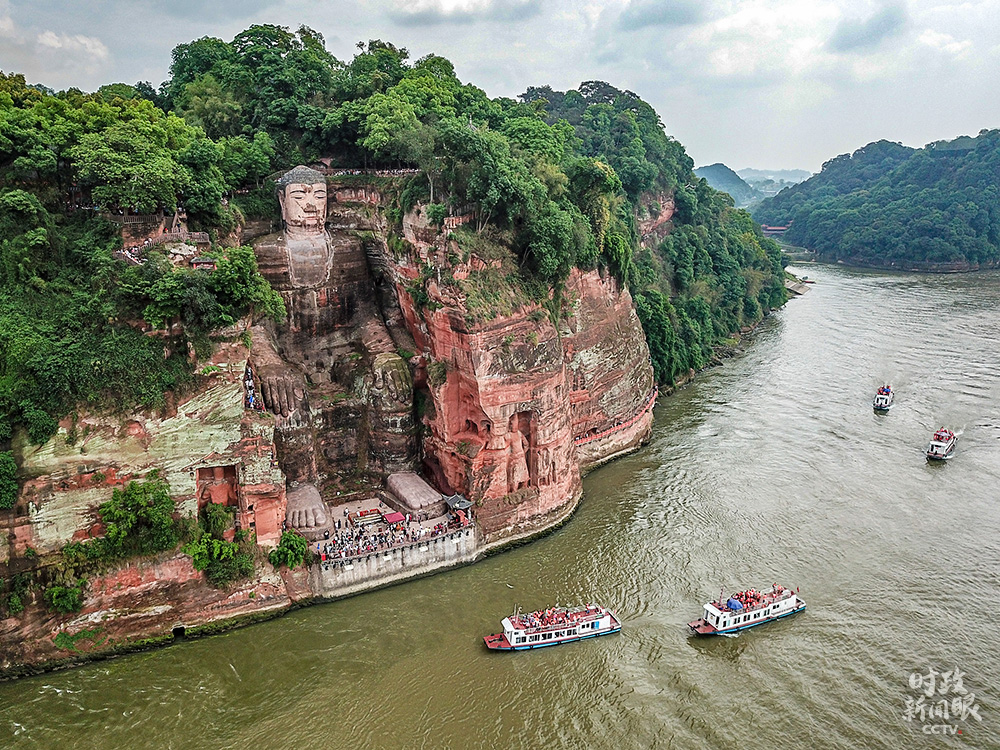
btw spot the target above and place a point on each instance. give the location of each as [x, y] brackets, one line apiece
[565, 178]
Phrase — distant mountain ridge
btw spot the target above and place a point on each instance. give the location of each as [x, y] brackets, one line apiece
[887, 205]
[724, 179]
[770, 182]
[794, 176]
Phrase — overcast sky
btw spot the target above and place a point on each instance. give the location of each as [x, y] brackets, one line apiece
[773, 84]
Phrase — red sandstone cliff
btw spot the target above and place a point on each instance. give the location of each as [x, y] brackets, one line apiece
[513, 406]
[519, 407]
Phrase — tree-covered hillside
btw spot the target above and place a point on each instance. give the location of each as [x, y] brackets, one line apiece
[562, 178]
[722, 178]
[889, 205]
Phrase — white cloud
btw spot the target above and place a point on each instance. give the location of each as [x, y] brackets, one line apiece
[762, 40]
[6, 22]
[72, 44]
[45, 56]
[447, 12]
[944, 42]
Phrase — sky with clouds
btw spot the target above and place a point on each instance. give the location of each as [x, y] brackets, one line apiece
[775, 84]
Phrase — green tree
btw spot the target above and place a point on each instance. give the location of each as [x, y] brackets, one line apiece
[241, 289]
[292, 550]
[8, 480]
[139, 519]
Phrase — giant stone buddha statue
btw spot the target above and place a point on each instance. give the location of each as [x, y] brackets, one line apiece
[334, 337]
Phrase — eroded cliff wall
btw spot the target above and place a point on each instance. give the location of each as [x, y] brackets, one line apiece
[506, 404]
[520, 405]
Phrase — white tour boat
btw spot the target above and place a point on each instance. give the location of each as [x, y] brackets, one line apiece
[745, 609]
[883, 398]
[942, 445]
[552, 627]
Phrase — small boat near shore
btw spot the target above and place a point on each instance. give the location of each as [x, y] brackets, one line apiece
[746, 609]
[552, 627]
[883, 399]
[942, 445]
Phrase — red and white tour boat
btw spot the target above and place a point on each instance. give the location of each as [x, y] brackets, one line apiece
[942, 445]
[745, 609]
[552, 627]
[883, 398]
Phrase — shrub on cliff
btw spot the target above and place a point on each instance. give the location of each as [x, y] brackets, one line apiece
[65, 599]
[222, 561]
[291, 550]
[8, 480]
[139, 519]
[18, 593]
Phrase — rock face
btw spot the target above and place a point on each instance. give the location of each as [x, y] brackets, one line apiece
[149, 600]
[208, 449]
[400, 354]
[613, 389]
[657, 210]
[518, 408]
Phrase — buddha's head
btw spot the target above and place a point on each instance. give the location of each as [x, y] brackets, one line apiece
[302, 195]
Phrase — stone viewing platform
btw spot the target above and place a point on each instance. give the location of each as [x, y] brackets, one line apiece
[371, 543]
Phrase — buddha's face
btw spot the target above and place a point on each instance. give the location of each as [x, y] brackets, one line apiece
[304, 206]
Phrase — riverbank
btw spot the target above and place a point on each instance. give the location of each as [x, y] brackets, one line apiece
[805, 255]
[319, 583]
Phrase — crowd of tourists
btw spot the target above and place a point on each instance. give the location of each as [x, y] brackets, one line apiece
[546, 617]
[377, 172]
[752, 598]
[251, 400]
[349, 541]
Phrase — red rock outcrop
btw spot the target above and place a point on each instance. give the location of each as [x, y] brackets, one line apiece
[656, 211]
[613, 389]
[144, 599]
[510, 394]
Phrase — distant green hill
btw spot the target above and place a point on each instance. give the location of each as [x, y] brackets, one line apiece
[888, 205]
[722, 178]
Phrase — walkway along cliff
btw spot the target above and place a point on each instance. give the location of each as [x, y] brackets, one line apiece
[408, 353]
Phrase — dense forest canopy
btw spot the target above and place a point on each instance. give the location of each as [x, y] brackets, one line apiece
[887, 204]
[563, 178]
